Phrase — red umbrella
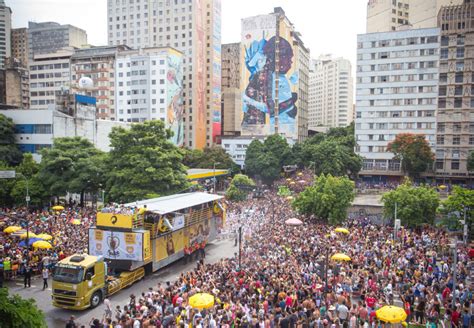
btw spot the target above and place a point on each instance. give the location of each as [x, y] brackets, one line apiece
[471, 253]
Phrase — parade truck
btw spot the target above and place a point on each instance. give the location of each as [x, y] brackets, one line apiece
[133, 240]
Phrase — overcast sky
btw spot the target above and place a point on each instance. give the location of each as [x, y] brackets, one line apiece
[327, 26]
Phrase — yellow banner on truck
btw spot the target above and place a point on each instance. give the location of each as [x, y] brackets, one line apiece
[112, 220]
[118, 245]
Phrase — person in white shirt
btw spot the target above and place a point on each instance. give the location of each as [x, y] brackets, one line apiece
[45, 274]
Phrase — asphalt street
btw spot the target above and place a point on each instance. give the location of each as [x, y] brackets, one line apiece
[56, 318]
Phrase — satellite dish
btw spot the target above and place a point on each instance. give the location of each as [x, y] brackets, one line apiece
[86, 83]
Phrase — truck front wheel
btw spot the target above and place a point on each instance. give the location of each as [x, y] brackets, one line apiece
[96, 299]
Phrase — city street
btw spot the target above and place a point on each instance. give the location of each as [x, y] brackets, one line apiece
[56, 317]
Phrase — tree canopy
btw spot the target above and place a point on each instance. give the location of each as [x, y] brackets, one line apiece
[64, 164]
[19, 313]
[413, 151]
[143, 163]
[328, 198]
[239, 187]
[330, 153]
[458, 203]
[416, 206]
[9, 151]
[206, 158]
[266, 160]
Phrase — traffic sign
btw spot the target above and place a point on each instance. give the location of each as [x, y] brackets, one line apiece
[7, 174]
[28, 198]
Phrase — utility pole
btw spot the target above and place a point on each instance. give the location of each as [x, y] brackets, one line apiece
[214, 169]
[240, 248]
[276, 103]
[455, 264]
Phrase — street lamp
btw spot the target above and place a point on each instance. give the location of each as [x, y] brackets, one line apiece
[214, 169]
[27, 198]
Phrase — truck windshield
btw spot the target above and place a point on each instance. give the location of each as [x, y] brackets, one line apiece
[68, 274]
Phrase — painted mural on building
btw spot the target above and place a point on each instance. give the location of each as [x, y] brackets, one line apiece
[216, 72]
[174, 97]
[259, 77]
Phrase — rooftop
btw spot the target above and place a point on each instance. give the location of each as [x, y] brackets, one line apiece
[173, 203]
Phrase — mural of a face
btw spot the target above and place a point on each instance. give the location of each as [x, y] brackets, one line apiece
[285, 54]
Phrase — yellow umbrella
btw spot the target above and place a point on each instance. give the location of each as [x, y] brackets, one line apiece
[42, 244]
[340, 257]
[292, 183]
[289, 197]
[391, 314]
[11, 229]
[58, 208]
[201, 301]
[30, 235]
[342, 230]
[300, 173]
[76, 222]
[44, 236]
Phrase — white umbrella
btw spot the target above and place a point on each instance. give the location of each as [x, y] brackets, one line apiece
[293, 222]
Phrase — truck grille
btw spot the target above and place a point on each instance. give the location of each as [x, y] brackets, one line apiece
[64, 292]
[64, 301]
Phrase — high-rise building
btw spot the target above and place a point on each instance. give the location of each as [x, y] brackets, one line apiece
[5, 32]
[455, 118]
[231, 97]
[49, 37]
[149, 86]
[98, 63]
[397, 87]
[330, 92]
[194, 28]
[14, 85]
[20, 47]
[389, 15]
[275, 77]
[50, 76]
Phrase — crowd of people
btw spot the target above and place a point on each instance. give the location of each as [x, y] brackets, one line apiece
[287, 278]
[68, 229]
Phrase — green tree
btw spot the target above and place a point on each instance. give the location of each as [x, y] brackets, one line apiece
[19, 313]
[64, 162]
[328, 198]
[28, 169]
[460, 201]
[6, 186]
[470, 161]
[254, 150]
[413, 151]
[277, 146]
[333, 157]
[205, 159]
[239, 187]
[90, 175]
[144, 162]
[416, 206]
[9, 151]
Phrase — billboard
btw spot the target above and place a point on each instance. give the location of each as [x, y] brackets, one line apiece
[112, 220]
[174, 97]
[116, 245]
[259, 76]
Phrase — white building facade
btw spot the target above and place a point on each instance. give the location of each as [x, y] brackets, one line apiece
[194, 28]
[149, 86]
[396, 92]
[50, 76]
[330, 92]
[5, 32]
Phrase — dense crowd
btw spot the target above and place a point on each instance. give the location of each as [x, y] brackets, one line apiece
[287, 278]
[68, 229]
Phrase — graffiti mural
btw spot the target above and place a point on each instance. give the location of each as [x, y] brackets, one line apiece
[174, 97]
[216, 72]
[260, 75]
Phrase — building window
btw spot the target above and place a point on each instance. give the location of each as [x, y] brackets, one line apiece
[455, 165]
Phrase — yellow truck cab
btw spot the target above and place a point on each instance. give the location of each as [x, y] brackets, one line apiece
[79, 282]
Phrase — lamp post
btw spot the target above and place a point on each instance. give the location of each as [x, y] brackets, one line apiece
[214, 169]
[27, 198]
[455, 260]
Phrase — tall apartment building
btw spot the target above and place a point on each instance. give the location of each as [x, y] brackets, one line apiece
[50, 76]
[149, 86]
[389, 15]
[5, 32]
[266, 87]
[48, 37]
[231, 97]
[14, 85]
[98, 63]
[194, 28]
[330, 92]
[455, 119]
[20, 47]
[397, 89]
